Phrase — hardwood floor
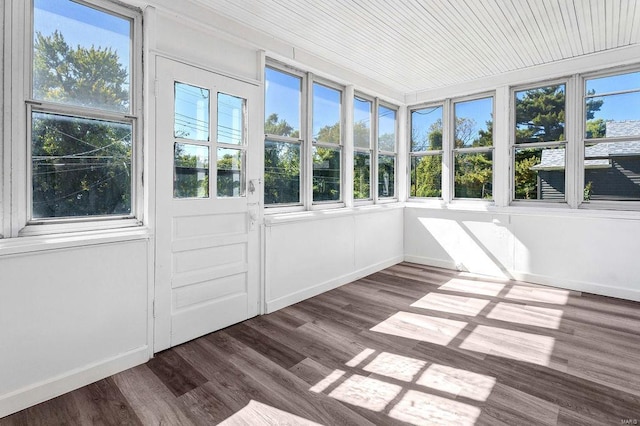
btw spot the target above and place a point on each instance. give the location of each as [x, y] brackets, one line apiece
[407, 345]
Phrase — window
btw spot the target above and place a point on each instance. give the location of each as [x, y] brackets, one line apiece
[387, 151]
[472, 149]
[426, 152]
[612, 138]
[362, 142]
[294, 140]
[81, 113]
[327, 143]
[539, 160]
[283, 143]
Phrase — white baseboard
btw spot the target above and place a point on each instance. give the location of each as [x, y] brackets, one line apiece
[298, 296]
[582, 286]
[45, 390]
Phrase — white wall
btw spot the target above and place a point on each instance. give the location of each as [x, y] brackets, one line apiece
[72, 311]
[573, 250]
[308, 254]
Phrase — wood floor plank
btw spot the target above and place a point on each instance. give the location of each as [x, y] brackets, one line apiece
[411, 344]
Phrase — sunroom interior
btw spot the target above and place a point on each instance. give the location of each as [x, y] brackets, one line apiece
[498, 139]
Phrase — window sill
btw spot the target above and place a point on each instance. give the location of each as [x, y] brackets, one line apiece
[285, 218]
[561, 210]
[39, 243]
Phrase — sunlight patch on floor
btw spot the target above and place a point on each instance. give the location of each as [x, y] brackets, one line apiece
[327, 381]
[517, 345]
[435, 330]
[395, 366]
[419, 408]
[259, 414]
[451, 304]
[356, 360]
[484, 288]
[539, 294]
[366, 392]
[457, 382]
[528, 315]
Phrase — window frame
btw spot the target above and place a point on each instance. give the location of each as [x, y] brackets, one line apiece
[373, 127]
[23, 104]
[307, 143]
[377, 199]
[300, 141]
[444, 104]
[453, 150]
[569, 108]
[583, 141]
[312, 143]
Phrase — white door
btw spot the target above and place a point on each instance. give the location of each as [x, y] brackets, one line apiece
[207, 195]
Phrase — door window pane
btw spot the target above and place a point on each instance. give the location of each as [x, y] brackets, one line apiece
[326, 174]
[386, 129]
[281, 172]
[81, 56]
[362, 176]
[282, 104]
[361, 123]
[230, 119]
[386, 176]
[191, 171]
[474, 123]
[426, 176]
[612, 171]
[191, 112]
[80, 167]
[230, 173]
[540, 173]
[540, 114]
[326, 114]
[473, 175]
[426, 129]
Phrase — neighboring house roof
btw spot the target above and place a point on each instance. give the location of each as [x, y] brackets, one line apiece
[597, 156]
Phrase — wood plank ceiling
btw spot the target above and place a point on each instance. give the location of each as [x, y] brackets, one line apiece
[415, 45]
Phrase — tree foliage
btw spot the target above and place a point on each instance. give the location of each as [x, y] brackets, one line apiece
[80, 166]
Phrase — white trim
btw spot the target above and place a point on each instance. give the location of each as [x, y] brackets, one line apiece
[298, 296]
[303, 216]
[74, 379]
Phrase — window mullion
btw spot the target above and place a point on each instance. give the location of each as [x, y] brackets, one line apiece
[447, 154]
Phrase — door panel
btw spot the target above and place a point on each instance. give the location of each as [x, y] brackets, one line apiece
[207, 252]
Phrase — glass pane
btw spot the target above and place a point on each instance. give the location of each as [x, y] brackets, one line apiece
[230, 173]
[613, 115]
[282, 104]
[474, 123]
[386, 129]
[473, 175]
[326, 174]
[386, 176]
[80, 167]
[361, 123]
[191, 174]
[281, 172]
[230, 119]
[326, 114]
[426, 129]
[426, 176]
[540, 114]
[361, 175]
[191, 112]
[614, 83]
[540, 174]
[81, 56]
[612, 171]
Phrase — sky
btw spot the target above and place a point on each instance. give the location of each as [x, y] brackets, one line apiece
[85, 26]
